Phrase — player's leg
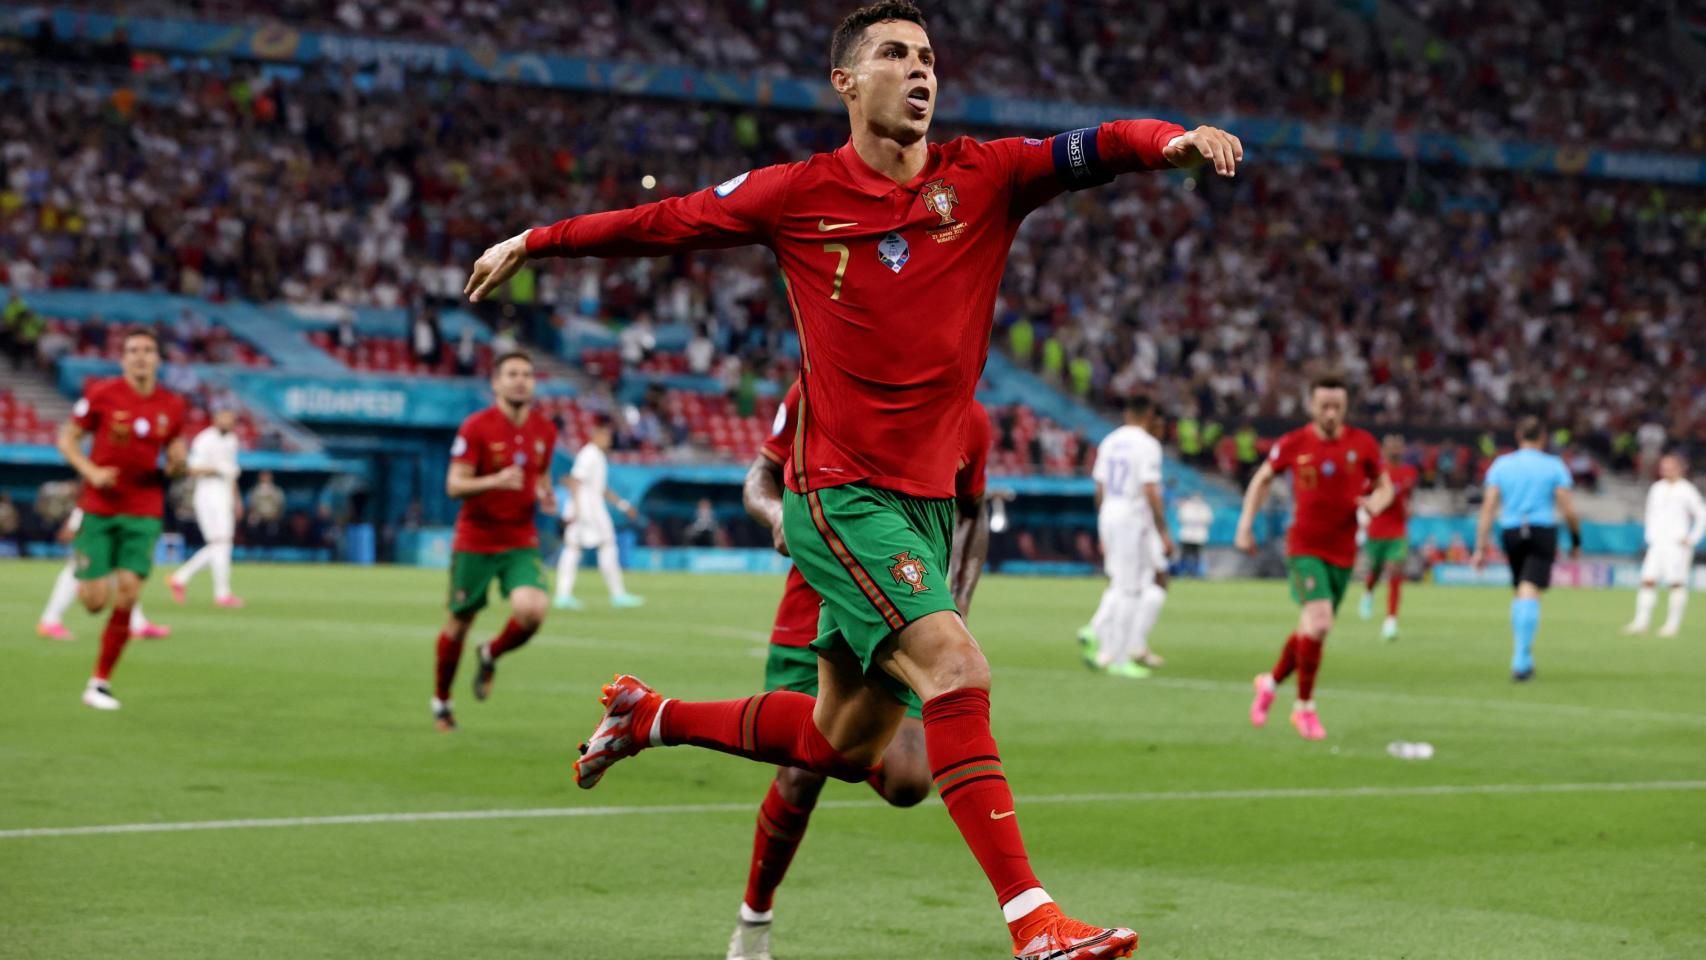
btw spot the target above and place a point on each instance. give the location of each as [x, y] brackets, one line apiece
[1313, 624]
[937, 657]
[1531, 551]
[522, 580]
[1647, 597]
[1090, 635]
[1393, 567]
[903, 776]
[610, 568]
[568, 564]
[782, 821]
[1681, 563]
[1365, 606]
[1123, 561]
[181, 577]
[1303, 575]
[1149, 605]
[59, 599]
[115, 635]
[471, 577]
[141, 626]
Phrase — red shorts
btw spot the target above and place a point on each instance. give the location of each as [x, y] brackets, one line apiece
[796, 615]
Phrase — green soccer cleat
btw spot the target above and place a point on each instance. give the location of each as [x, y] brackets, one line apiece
[1389, 629]
[1128, 670]
[1087, 646]
[569, 603]
[1365, 608]
[627, 601]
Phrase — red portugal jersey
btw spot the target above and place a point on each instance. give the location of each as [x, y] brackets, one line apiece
[130, 430]
[500, 520]
[1328, 477]
[796, 616]
[892, 285]
[1393, 523]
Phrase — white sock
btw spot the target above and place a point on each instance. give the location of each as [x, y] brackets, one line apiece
[1645, 599]
[1115, 632]
[1149, 604]
[1678, 600]
[137, 619]
[63, 595]
[221, 569]
[193, 565]
[749, 915]
[568, 563]
[610, 565]
[1020, 906]
[1104, 611]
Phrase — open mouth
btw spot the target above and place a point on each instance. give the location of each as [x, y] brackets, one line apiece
[918, 98]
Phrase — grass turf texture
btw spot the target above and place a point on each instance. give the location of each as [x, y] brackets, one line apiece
[313, 702]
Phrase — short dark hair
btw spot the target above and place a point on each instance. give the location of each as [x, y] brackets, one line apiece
[1328, 381]
[852, 29]
[1529, 429]
[521, 355]
[134, 332]
[1138, 405]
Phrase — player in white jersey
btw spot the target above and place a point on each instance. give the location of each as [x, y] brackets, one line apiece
[1135, 546]
[51, 626]
[1676, 520]
[213, 464]
[589, 524]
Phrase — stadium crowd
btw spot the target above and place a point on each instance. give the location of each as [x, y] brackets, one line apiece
[1526, 69]
[1452, 295]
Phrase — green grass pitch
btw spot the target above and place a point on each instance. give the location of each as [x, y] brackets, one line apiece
[1569, 819]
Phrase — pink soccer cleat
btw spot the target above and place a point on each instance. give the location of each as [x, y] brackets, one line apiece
[54, 631]
[152, 631]
[1308, 724]
[232, 602]
[1264, 684]
[629, 708]
[178, 596]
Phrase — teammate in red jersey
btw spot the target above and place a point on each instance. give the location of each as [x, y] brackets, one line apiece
[1333, 465]
[1389, 538]
[133, 421]
[892, 249]
[500, 468]
[903, 777]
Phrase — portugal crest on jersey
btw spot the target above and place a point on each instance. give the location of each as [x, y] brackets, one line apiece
[909, 570]
[940, 197]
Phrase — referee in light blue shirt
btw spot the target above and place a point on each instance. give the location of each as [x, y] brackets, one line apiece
[1528, 491]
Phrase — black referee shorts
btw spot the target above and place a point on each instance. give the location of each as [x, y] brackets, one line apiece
[1531, 551]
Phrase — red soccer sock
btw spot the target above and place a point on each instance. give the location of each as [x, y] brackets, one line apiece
[1287, 660]
[970, 781]
[1308, 662]
[449, 656]
[113, 638]
[512, 636]
[781, 826]
[1373, 578]
[1394, 585]
[775, 727]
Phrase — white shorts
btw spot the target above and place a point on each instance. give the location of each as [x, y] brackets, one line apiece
[591, 532]
[215, 515]
[1128, 556]
[1669, 564]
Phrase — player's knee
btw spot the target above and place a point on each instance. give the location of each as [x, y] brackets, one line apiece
[93, 596]
[456, 628]
[962, 666]
[905, 789]
[799, 787]
[529, 612]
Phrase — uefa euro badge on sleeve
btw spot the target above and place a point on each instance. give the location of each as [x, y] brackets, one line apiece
[893, 251]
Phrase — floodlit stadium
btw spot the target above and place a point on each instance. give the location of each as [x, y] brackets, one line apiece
[1122, 478]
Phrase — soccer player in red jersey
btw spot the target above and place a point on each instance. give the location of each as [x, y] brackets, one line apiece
[1333, 465]
[892, 249]
[500, 468]
[903, 776]
[133, 420]
[1389, 537]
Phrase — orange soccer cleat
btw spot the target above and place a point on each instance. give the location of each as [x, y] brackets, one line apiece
[629, 708]
[1047, 934]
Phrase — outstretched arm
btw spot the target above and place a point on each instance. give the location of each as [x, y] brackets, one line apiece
[1092, 156]
[1255, 496]
[735, 213]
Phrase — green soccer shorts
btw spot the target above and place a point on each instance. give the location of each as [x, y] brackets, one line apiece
[1382, 552]
[879, 560]
[471, 576]
[120, 542]
[795, 668]
[1313, 578]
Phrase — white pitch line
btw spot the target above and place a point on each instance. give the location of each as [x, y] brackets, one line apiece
[1158, 796]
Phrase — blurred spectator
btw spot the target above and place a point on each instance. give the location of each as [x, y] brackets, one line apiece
[705, 530]
[1196, 518]
[265, 510]
[424, 338]
[467, 353]
[701, 351]
[11, 525]
[347, 338]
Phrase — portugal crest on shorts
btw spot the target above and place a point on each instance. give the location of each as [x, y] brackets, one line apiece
[909, 570]
[941, 197]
